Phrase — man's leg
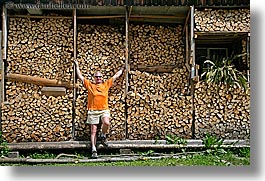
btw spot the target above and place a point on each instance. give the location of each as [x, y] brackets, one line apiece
[105, 125]
[93, 139]
[105, 130]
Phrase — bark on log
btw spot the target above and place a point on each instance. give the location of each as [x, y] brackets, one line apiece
[38, 80]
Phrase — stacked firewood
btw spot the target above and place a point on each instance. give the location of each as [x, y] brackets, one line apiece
[222, 20]
[223, 112]
[156, 45]
[156, 107]
[41, 48]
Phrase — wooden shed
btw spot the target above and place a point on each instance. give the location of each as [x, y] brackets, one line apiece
[163, 44]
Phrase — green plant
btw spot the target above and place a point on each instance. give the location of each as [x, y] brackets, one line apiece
[42, 155]
[212, 142]
[148, 153]
[224, 72]
[244, 152]
[173, 139]
[4, 150]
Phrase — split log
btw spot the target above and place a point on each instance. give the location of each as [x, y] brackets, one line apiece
[154, 68]
[38, 80]
[53, 91]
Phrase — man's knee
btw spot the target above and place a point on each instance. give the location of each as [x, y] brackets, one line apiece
[93, 129]
[105, 121]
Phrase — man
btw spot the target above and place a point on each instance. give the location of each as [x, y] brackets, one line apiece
[97, 105]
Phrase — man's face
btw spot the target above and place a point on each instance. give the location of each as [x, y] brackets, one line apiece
[98, 78]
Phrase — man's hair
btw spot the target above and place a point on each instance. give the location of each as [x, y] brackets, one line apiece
[97, 72]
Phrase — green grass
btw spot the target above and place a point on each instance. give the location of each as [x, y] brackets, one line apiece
[236, 157]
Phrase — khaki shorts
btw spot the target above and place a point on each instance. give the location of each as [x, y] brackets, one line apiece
[93, 116]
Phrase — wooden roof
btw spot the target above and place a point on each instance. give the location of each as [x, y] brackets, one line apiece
[150, 11]
[138, 2]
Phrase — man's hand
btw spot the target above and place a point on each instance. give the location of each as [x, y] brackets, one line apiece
[123, 67]
[118, 74]
[79, 74]
[76, 63]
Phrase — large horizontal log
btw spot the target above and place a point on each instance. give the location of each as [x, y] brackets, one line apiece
[155, 144]
[38, 80]
[154, 68]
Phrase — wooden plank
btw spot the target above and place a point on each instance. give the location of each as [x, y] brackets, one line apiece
[53, 91]
[37, 80]
[126, 51]
[126, 61]
[1, 73]
[40, 17]
[122, 144]
[154, 68]
[3, 51]
[186, 21]
[187, 47]
[192, 43]
[74, 75]
[100, 17]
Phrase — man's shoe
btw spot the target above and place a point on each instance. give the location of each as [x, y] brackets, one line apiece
[94, 155]
[104, 141]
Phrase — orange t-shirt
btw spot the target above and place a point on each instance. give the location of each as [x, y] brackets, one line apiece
[98, 94]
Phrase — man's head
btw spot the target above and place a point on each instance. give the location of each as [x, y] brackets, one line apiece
[98, 77]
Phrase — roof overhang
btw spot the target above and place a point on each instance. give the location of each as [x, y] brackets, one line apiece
[156, 14]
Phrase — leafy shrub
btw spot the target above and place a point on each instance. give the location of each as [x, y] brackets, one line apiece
[173, 139]
[4, 150]
[211, 142]
[224, 72]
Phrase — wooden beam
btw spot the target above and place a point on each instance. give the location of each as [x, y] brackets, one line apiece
[126, 50]
[74, 74]
[4, 48]
[192, 57]
[154, 68]
[157, 16]
[100, 17]
[126, 61]
[40, 17]
[186, 21]
[122, 144]
[1, 73]
[53, 91]
[130, 11]
[37, 80]
[192, 42]
[187, 47]
[131, 16]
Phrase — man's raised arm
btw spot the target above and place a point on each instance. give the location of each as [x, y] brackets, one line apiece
[78, 72]
[118, 74]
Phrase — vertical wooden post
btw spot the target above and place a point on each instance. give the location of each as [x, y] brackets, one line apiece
[186, 32]
[187, 49]
[192, 43]
[1, 81]
[3, 41]
[74, 77]
[4, 52]
[192, 56]
[248, 56]
[126, 63]
[1, 72]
